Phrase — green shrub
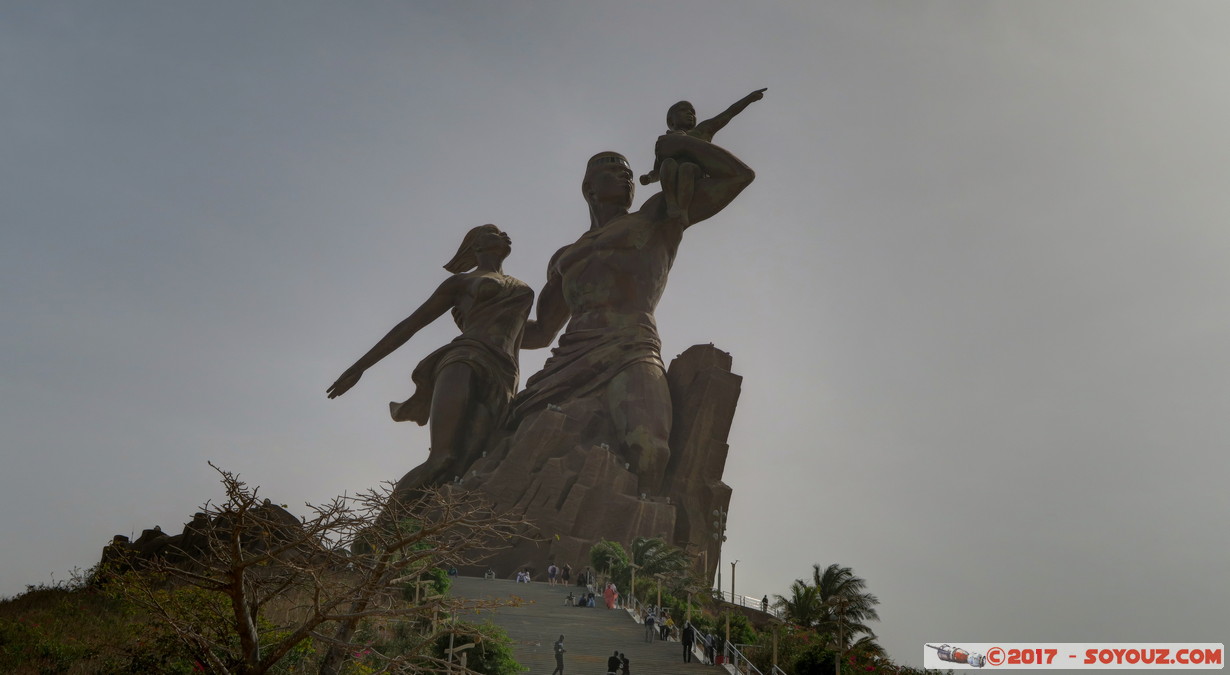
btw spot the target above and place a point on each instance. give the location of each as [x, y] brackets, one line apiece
[816, 660]
[492, 652]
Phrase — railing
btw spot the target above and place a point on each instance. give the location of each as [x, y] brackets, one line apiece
[637, 610]
[736, 663]
[757, 604]
[733, 660]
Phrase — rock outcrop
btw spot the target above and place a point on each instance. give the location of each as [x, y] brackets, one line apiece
[560, 470]
[269, 526]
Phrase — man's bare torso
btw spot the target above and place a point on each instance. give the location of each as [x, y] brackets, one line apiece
[613, 276]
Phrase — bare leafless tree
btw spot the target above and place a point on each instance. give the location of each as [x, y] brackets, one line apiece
[346, 565]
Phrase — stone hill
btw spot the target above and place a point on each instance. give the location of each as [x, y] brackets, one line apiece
[560, 470]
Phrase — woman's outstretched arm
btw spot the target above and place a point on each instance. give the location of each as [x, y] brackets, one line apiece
[440, 302]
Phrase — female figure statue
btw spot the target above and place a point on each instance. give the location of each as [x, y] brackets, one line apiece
[464, 387]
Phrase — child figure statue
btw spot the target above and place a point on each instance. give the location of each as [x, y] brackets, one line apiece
[678, 175]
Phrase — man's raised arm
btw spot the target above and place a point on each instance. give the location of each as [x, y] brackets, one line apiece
[726, 175]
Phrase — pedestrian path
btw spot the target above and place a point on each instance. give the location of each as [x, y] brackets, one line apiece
[591, 634]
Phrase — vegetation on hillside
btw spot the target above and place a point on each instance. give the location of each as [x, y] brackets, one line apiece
[825, 619]
[350, 590]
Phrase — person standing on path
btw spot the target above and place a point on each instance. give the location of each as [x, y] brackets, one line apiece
[689, 639]
[559, 656]
[649, 626]
[613, 663]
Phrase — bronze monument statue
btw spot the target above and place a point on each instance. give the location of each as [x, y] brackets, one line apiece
[604, 442]
[464, 387]
[606, 285]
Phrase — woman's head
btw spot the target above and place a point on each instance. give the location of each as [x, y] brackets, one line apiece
[479, 240]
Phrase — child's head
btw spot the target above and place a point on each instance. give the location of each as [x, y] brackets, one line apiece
[681, 117]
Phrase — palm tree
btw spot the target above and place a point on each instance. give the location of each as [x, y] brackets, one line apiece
[847, 604]
[804, 606]
[866, 647]
[608, 557]
[652, 555]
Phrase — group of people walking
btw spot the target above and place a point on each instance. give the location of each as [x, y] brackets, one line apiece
[616, 663]
[555, 575]
[558, 575]
[658, 625]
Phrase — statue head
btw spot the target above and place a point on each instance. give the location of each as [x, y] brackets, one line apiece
[681, 117]
[608, 179]
[479, 240]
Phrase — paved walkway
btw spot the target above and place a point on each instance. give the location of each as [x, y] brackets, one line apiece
[590, 634]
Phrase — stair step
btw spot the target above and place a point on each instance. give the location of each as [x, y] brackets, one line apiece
[590, 634]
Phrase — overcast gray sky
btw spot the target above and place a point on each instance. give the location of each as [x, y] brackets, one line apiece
[979, 293]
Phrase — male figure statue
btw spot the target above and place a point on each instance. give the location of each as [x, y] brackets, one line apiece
[606, 285]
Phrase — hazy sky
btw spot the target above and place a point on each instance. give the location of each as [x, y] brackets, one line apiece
[979, 292]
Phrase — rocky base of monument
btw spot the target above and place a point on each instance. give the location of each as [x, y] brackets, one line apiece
[560, 472]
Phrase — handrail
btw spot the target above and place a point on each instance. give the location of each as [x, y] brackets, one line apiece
[757, 604]
[637, 609]
[736, 663]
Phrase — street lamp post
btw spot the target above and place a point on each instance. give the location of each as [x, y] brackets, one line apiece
[732, 582]
[719, 535]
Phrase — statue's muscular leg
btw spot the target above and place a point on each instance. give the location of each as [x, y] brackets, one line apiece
[640, 404]
[460, 421]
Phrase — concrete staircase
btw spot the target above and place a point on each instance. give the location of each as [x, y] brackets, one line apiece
[590, 634]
